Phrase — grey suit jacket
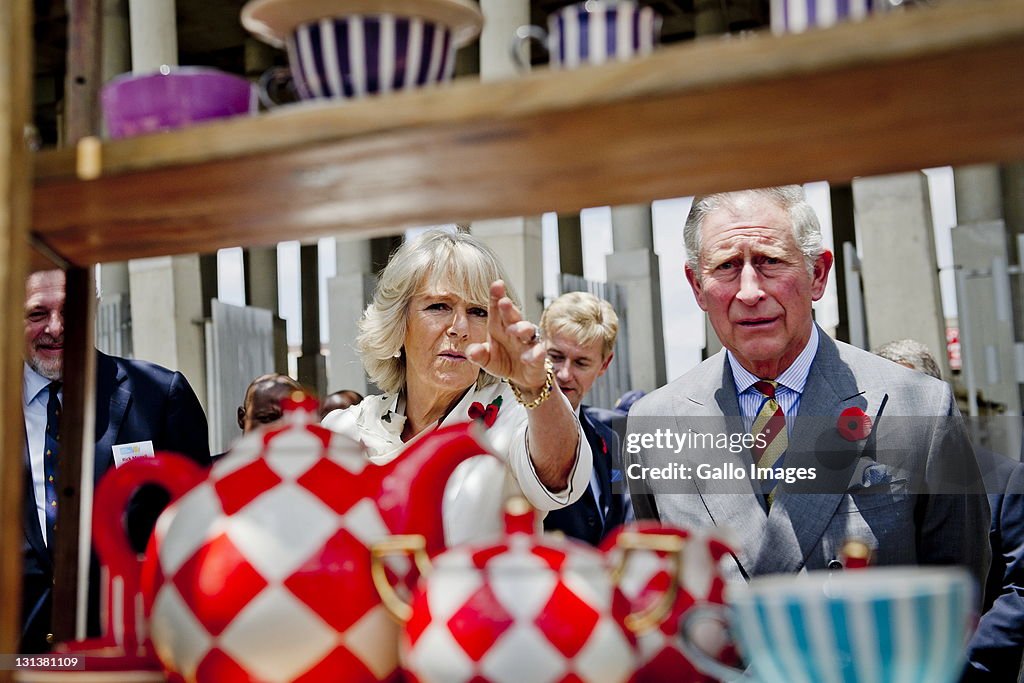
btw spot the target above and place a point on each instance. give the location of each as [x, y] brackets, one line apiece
[911, 488]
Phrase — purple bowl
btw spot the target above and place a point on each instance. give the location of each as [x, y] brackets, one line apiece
[172, 98]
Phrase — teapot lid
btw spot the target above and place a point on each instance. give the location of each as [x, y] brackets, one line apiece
[522, 548]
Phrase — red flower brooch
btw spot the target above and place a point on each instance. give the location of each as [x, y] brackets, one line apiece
[854, 424]
[487, 415]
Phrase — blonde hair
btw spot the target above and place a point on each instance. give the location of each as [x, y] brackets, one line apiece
[462, 263]
[583, 317]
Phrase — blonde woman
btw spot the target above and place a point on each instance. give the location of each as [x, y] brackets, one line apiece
[442, 333]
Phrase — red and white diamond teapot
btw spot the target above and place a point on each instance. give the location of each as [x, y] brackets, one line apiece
[262, 571]
[528, 608]
[700, 579]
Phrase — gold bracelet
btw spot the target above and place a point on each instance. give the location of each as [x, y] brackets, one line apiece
[545, 391]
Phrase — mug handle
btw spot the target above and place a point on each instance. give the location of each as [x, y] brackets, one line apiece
[271, 83]
[408, 544]
[176, 474]
[630, 541]
[523, 35]
[696, 654]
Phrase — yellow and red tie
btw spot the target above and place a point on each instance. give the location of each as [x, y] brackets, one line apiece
[770, 424]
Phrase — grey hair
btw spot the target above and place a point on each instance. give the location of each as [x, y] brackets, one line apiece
[464, 264]
[584, 317]
[791, 198]
[911, 353]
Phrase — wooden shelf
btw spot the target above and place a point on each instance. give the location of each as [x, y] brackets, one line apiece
[910, 90]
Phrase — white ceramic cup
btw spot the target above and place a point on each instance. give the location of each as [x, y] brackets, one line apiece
[877, 625]
[797, 16]
[592, 32]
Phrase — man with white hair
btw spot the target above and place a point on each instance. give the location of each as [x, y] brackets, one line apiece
[141, 408]
[795, 442]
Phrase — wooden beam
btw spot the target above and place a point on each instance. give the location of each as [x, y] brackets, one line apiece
[15, 193]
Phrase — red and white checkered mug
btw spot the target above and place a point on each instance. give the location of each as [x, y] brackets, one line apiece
[526, 608]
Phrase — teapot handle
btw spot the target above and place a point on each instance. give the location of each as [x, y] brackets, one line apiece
[696, 654]
[409, 544]
[655, 614]
[114, 493]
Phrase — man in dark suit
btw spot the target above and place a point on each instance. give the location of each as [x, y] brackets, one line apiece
[795, 442]
[141, 408]
[580, 331]
[997, 646]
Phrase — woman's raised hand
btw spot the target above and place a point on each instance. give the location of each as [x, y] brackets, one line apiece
[514, 349]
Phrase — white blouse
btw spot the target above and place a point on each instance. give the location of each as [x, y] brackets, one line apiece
[475, 494]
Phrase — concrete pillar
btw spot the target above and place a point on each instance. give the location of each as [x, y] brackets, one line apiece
[709, 18]
[166, 292]
[154, 34]
[260, 277]
[167, 315]
[516, 240]
[113, 278]
[899, 268]
[348, 293]
[116, 39]
[518, 243]
[260, 265]
[634, 265]
[843, 230]
[503, 18]
[977, 192]
[311, 366]
[570, 244]
[1013, 197]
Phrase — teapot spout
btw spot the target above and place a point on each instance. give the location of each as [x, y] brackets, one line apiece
[413, 491]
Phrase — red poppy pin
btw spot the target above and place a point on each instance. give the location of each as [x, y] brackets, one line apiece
[488, 414]
[854, 424]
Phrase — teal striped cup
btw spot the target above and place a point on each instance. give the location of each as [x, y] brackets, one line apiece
[876, 625]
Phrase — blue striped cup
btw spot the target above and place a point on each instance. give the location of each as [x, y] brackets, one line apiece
[592, 32]
[796, 16]
[877, 625]
[346, 58]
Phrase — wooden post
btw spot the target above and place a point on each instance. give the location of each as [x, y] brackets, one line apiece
[15, 185]
[84, 68]
[75, 479]
[71, 552]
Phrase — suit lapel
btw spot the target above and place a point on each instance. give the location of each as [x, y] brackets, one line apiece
[113, 397]
[30, 515]
[602, 459]
[730, 503]
[803, 510]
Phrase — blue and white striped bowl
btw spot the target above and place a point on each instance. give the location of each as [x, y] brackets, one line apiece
[796, 16]
[877, 625]
[350, 57]
[595, 32]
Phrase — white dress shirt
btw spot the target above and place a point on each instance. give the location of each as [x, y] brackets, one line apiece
[34, 397]
[791, 384]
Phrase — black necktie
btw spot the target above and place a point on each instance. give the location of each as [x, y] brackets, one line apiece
[51, 452]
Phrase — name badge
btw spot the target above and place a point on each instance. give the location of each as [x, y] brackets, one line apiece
[123, 452]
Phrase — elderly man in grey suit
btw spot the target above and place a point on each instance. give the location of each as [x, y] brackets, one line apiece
[795, 442]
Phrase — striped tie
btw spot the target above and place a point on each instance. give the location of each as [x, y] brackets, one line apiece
[51, 454]
[770, 424]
